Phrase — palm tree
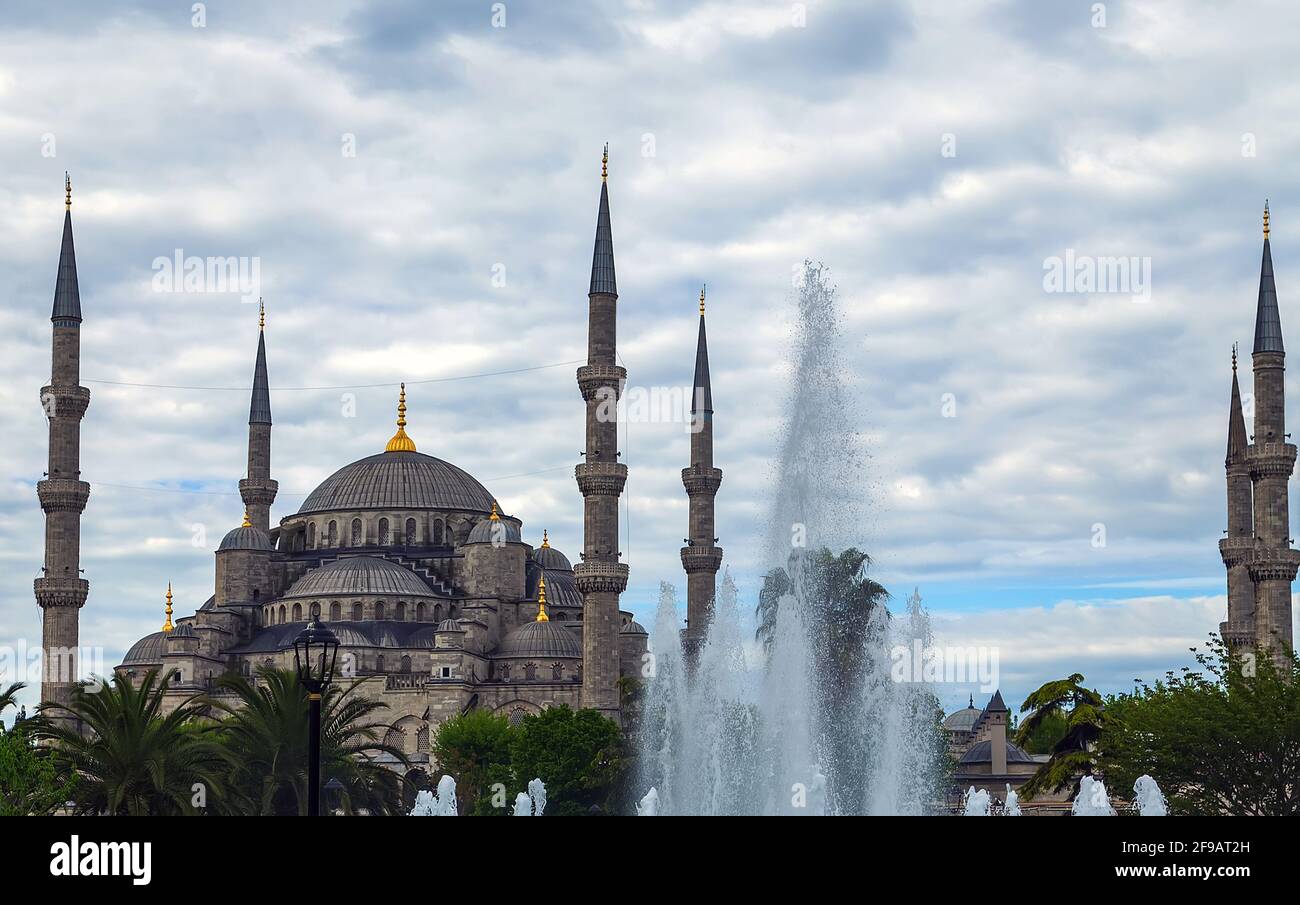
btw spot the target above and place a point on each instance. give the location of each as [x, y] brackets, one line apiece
[265, 736]
[127, 755]
[1073, 756]
[9, 697]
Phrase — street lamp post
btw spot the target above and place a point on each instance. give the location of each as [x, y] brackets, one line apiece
[315, 651]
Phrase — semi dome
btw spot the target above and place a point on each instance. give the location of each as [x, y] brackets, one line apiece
[246, 537]
[540, 639]
[360, 575]
[398, 480]
[633, 628]
[147, 651]
[982, 753]
[450, 625]
[184, 630]
[485, 532]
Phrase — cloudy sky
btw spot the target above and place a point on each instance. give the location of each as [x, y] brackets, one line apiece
[418, 184]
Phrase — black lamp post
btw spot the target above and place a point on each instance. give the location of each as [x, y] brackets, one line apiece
[315, 651]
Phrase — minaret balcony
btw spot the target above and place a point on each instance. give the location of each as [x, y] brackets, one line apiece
[255, 492]
[597, 576]
[1237, 632]
[62, 495]
[65, 401]
[593, 378]
[62, 592]
[600, 478]
[1274, 565]
[700, 479]
[701, 559]
[1271, 459]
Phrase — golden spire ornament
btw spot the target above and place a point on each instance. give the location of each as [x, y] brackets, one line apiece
[167, 626]
[1265, 218]
[541, 600]
[604, 164]
[494, 517]
[261, 315]
[67, 190]
[401, 442]
[247, 523]
[546, 540]
[702, 300]
[1234, 358]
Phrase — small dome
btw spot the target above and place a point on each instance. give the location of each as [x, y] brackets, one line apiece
[633, 628]
[982, 753]
[540, 639]
[360, 575]
[561, 588]
[495, 530]
[449, 625]
[246, 537]
[147, 651]
[961, 721]
[550, 558]
[184, 630]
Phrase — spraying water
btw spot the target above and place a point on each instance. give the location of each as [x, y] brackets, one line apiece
[1092, 800]
[815, 721]
[441, 803]
[1148, 799]
[978, 803]
[1012, 806]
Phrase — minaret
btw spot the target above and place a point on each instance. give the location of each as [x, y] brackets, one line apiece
[258, 490]
[700, 557]
[1236, 548]
[61, 591]
[600, 576]
[1271, 460]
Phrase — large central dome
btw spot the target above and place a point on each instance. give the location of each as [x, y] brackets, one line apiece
[398, 480]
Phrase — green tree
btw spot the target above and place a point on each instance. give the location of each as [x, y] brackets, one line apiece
[29, 782]
[265, 738]
[1050, 730]
[1073, 755]
[128, 756]
[1221, 739]
[577, 754]
[474, 748]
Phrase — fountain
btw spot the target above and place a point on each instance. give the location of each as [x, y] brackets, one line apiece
[1092, 800]
[648, 806]
[977, 803]
[1148, 799]
[777, 731]
[1012, 806]
[441, 803]
[533, 802]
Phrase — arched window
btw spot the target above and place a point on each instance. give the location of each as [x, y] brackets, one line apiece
[406, 664]
[332, 534]
[311, 535]
[246, 668]
[410, 532]
[557, 671]
[379, 609]
[268, 663]
[422, 740]
[379, 663]
[383, 532]
[517, 716]
[356, 532]
[400, 614]
[297, 612]
[419, 611]
[336, 612]
[530, 671]
[505, 672]
[282, 614]
[559, 617]
[437, 612]
[356, 612]
[437, 533]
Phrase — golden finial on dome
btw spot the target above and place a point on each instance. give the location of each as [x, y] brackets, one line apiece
[702, 299]
[541, 600]
[67, 190]
[261, 315]
[1265, 218]
[494, 517]
[546, 540]
[401, 442]
[167, 626]
[247, 523]
[604, 164]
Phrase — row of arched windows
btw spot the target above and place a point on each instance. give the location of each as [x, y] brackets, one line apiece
[530, 672]
[401, 611]
[385, 534]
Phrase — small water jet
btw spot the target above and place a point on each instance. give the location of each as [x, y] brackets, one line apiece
[1012, 806]
[648, 806]
[977, 803]
[531, 803]
[1092, 800]
[441, 803]
[1148, 799]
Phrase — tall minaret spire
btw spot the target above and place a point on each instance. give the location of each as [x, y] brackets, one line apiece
[258, 490]
[1237, 547]
[61, 591]
[1271, 460]
[600, 576]
[701, 557]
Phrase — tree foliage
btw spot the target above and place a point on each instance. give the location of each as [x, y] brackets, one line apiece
[1080, 710]
[577, 753]
[30, 784]
[474, 748]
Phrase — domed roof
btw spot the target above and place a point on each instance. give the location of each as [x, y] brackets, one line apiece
[183, 630]
[388, 634]
[450, 625]
[147, 651]
[982, 753]
[561, 588]
[633, 628]
[963, 720]
[550, 558]
[360, 575]
[495, 529]
[398, 480]
[540, 639]
[246, 537]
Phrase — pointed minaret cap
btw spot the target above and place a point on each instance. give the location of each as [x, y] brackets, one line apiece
[167, 625]
[541, 600]
[996, 704]
[1268, 322]
[702, 397]
[67, 297]
[401, 442]
[1236, 420]
[602, 258]
[259, 409]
